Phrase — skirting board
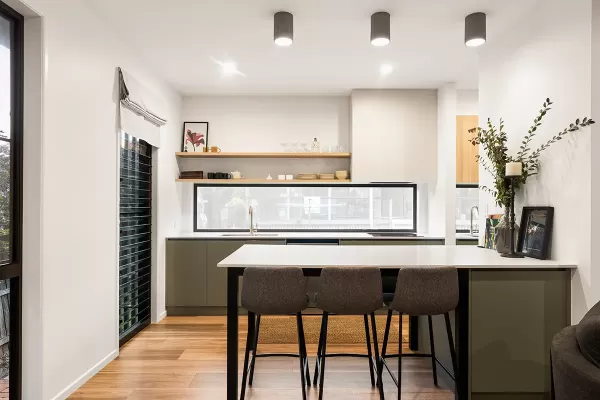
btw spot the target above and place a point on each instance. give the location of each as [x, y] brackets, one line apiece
[161, 316]
[69, 390]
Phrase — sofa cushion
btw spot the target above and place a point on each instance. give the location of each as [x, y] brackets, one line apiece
[588, 338]
[594, 311]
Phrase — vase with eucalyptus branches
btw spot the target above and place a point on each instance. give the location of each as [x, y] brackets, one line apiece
[493, 140]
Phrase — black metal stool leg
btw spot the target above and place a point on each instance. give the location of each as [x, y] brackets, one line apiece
[400, 360]
[452, 350]
[249, 342]
[323, 355]
[306, 368]
[318, 362]
[376, 348]
[386, 336]
[254, 350]
[431, 343]
[301, 351]
[369, 350]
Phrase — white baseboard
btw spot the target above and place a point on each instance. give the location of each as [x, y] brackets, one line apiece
[69, 390]
[161, 316]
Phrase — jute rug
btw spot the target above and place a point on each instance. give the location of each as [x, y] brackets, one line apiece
[341, 329]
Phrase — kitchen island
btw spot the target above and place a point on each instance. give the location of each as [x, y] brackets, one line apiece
[508, 312]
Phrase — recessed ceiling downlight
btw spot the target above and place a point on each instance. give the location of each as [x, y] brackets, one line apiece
[475, 29]
[283, 28]
[380, 28]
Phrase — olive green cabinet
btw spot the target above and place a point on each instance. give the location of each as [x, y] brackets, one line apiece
[195, 284]
[186, 273]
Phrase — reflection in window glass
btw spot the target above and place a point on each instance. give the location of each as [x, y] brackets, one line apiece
[5, 148]
[305, 207]
[467, 198]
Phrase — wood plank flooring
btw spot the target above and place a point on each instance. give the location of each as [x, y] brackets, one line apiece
[184, 358]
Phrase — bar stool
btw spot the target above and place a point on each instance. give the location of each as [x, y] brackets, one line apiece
[274, 291]
[348, 291]
[422, 291]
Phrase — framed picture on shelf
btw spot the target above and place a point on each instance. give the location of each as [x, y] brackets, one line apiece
[535, 232]
[195, 137]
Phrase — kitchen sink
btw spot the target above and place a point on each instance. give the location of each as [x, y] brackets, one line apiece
[246, 234]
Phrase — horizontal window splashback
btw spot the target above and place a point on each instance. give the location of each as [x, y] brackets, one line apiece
[306, 207]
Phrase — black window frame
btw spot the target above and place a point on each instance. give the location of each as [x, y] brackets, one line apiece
[13, 269]
[465, 186]
[412, 186]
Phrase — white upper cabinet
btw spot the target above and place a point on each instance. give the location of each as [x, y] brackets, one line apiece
[394, 135]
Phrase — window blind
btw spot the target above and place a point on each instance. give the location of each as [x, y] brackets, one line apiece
[135, 236]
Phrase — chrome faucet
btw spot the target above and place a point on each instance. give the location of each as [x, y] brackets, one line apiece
[471, 230]
[251, 212]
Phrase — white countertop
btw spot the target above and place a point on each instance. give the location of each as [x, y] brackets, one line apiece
[315, 256]
[307, 235]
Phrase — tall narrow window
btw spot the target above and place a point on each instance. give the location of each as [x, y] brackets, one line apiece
[135, 245]
[11, 134]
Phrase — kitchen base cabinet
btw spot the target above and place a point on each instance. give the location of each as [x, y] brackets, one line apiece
[186, 273]
[195, 284]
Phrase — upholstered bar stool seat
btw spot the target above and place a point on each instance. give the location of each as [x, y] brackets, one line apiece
[273, 291]
[419, 292]
[349, 291]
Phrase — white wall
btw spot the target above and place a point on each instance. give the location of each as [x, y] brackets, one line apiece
[535, 59]
[77, 186]
[394, 135]
[595, 189]
[262, 123]
[467, 102]
[442, 193]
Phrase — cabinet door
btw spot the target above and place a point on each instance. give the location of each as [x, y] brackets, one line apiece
[216, 278]
[186, 273]
[467, 168]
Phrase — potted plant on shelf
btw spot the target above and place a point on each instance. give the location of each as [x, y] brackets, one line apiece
[493, 140]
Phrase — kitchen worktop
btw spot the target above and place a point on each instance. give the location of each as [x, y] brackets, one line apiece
[381, 257]
[307, 235]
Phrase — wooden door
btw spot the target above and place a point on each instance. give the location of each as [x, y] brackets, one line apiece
[467, 169]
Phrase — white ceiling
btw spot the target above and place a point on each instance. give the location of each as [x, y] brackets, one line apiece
[331, 52]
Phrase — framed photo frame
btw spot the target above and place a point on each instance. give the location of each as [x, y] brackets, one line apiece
[195, 137]
[535, 232]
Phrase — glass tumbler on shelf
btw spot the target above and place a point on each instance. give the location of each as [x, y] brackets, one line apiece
[285, 146]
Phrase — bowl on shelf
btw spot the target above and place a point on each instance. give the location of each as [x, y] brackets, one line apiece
[341, 175]
[306, 176]
[327, 176]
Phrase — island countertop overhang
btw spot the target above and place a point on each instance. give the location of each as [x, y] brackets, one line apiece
[391, 257]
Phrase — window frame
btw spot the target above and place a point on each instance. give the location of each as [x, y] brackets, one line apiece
[13, 269]
[465, 186]
[412, 186]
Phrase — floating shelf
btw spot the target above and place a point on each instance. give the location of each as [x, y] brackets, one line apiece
[261, 155]
[270, 181]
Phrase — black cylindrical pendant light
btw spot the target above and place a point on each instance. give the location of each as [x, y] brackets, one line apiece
[380, 28]
[475, 29]
[283, 28]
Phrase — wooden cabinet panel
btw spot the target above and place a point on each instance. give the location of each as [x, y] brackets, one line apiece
[186, 273]
[467, 169]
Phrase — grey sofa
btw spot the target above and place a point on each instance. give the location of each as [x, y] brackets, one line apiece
[576, 359]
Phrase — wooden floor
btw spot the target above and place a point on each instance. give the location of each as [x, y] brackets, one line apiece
[185, 358]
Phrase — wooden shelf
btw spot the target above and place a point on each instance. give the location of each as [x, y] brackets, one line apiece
[270, 181]
[262, 155]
